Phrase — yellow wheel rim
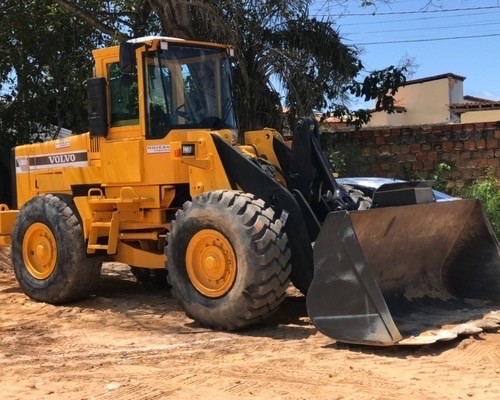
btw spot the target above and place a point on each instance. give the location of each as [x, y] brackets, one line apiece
[211, 263]
[39, 251]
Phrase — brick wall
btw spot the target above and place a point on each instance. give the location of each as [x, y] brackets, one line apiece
[415, 152]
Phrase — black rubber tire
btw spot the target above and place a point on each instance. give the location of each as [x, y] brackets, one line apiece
[75, 274]
[262, 254]
[155, 279]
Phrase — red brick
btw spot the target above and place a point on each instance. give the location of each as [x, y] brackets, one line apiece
[469, 145]
[428, 165]
[426, 147]
[377, 170]
[488, 154]
[483, 162]
[414, 148]
[466, 173]
[480, 144]
[445, 157]
[416, 166]
[465, 155]
[395, 149]
[448, 146]
[365, 151]
[432, 155]
[379, 140]
[458, 146]
[471, 164]
[492, 144]
[390, 139]
[384, 150]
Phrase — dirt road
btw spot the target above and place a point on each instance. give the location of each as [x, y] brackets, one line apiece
[130, 343]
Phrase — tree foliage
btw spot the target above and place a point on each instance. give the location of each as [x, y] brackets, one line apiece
[45, 57]
[277, 43]
[46, 45]
[45, 48]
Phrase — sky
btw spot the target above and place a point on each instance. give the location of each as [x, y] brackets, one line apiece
[441, 36]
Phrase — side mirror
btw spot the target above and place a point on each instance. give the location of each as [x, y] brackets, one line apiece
[97, 104]
[127, 57]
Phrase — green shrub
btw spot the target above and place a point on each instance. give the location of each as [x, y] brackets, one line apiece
[336, 159]
[441, 177]
[488, 191]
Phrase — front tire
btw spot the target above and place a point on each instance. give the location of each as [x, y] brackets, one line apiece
[228, 260]
[49, 252]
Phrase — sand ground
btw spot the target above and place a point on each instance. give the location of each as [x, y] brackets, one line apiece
[127, 342]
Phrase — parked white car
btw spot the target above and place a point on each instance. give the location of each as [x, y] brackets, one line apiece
[369, 185]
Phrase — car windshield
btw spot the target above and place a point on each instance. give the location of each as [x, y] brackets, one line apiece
[188, 87]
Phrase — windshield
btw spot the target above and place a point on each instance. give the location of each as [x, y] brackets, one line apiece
[188, 87]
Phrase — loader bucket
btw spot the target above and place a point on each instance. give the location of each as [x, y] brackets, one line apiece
[404, 274]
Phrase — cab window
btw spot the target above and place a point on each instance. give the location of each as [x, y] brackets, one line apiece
[124, 101]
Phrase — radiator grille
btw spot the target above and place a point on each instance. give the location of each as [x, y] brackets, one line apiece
[94, 145]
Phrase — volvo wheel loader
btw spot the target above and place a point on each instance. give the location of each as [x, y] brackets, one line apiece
[160, 183]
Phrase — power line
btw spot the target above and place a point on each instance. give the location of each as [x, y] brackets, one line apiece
[374, 14]
[429, 40]
[427, 28]
[414, 19]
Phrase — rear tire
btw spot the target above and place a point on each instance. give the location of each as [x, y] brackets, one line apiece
[228, 260]
[49, 254]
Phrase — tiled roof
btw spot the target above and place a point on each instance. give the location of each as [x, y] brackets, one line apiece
[482, 104]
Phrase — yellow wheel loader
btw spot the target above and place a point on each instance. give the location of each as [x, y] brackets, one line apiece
[160, 183]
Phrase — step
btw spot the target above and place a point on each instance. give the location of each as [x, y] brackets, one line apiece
[97, 247]
[100, 224]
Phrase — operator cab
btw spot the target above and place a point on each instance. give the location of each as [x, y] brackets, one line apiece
[181, 84]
